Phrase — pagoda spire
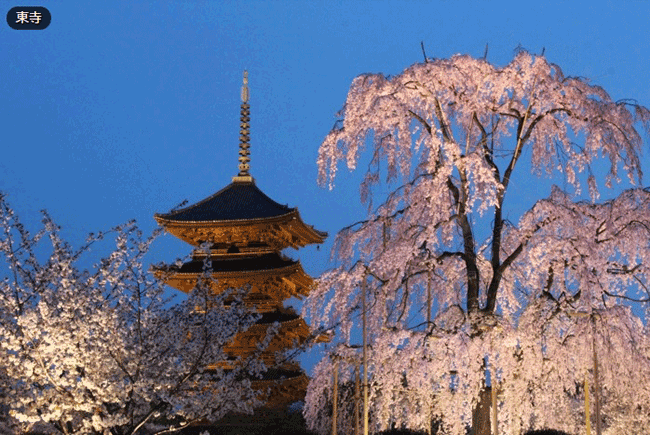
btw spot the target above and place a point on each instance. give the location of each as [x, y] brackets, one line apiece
[244, 135]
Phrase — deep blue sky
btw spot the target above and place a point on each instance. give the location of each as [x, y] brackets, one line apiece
[119, 110]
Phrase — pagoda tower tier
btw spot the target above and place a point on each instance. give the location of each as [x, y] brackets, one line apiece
[277, 394]
[240, 217]
[242, 232]
[293, 330]
[269, 277]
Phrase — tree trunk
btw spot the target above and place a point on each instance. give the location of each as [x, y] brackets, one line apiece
[481, 416]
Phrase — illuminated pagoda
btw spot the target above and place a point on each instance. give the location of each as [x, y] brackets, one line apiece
[246, 232]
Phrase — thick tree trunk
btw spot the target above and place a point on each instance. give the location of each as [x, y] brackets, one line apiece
[481, 416]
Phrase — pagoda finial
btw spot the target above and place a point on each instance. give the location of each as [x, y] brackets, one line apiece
[244, 135]
[244, 88]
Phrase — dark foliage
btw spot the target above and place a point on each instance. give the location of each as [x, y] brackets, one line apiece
[283, 423]
[546, 432]
[401, 432]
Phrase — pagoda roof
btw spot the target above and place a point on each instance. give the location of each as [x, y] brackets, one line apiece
[266, 262]
[273, 275]
[291, 333]
[240, 213]
[238, 201]
[280, 391]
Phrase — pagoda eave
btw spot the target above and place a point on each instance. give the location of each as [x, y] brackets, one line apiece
[290, 333]
[279, 231]
[280, 283]
[166, 221]
[281, 392]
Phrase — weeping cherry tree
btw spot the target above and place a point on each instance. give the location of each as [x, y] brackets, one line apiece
[458, 296]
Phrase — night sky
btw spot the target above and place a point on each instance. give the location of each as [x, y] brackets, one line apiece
[119, 110]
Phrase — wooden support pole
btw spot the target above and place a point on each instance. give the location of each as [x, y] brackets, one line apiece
[335, 395]
[429, 302]
[495, 422]
[587, 411]
[597, 392]
[365, 358]
[357, 399]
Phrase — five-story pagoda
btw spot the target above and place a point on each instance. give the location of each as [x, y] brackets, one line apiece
[246, 232]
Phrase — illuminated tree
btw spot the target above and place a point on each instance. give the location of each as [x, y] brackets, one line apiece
[101, 351]
[455, 290]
